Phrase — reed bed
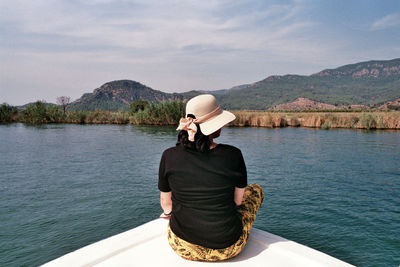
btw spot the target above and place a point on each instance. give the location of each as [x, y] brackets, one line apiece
[96, 117]
[324, 120]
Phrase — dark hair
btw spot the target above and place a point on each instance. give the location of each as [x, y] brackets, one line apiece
[201, 142]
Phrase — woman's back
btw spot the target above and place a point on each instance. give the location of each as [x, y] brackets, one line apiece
[202, 185]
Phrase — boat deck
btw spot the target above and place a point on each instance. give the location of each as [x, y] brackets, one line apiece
[147, 245]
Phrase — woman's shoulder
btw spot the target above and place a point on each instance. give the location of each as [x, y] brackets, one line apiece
[175, 150]
[172, 149]
[220, 148]
[229, 148]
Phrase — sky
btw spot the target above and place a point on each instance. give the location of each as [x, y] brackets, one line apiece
[51, 48]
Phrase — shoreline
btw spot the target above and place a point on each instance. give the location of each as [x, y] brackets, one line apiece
[323, 120]
[169, 113]
[380, 120]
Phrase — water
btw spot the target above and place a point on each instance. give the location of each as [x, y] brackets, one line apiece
[65, 186]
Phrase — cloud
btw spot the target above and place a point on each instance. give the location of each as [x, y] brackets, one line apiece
[169, 45]
[152, 27]
[388, 21]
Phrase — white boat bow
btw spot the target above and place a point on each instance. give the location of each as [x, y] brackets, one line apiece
[147, 245]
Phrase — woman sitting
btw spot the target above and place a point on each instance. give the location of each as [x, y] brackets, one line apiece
[204, 189]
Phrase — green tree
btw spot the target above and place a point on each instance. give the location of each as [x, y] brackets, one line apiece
[54, 114]
[173, 111]
[137, 105]
[35, 113]
[7, 113]
[163, 113]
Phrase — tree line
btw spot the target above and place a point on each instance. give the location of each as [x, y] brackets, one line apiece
[140, 112]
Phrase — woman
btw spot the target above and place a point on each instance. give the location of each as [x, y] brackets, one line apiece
[204, 188]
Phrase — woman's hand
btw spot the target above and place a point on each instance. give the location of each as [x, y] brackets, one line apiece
[238, 197]
[166, 204]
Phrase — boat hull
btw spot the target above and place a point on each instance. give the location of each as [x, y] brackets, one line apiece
[147, 245]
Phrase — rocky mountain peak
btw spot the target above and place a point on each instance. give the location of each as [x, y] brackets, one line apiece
[119, 94]
[369, 69]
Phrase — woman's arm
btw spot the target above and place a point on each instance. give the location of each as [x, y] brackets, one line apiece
[166, 204]
[238, 197]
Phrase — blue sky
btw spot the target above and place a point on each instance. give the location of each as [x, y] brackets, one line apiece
[70, 47]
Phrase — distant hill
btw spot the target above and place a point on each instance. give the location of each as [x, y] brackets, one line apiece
[371, 83]
[365, 83]
[223, 91]
[117, 95]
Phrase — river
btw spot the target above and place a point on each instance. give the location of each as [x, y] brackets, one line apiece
[64, 186]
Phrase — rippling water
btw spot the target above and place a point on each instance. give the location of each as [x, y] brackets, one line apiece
[65, 186]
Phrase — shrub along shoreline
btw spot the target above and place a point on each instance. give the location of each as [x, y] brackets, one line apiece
[321, 119]
[169, 113]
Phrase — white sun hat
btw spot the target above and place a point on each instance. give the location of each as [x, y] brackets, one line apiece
[209, 116]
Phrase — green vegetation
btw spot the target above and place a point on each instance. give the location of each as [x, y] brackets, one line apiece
[97, 117]
[8, 113]
[137, 106]
[164, 113]
[38, 113]
[169, 113]
[98, 104]
[54, 114]
[35, 113]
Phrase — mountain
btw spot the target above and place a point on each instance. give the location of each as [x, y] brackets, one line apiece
[365, 70]
[369, 83]
[223, 91]
[117, 95]
[365, 83]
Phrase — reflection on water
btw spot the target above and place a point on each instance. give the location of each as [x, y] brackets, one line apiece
[155, 130]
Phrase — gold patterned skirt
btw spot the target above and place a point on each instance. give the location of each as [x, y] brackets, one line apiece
[252, 199]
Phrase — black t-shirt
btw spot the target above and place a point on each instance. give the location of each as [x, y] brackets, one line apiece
[203, 185]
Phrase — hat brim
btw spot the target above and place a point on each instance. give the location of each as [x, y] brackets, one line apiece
[217, 122]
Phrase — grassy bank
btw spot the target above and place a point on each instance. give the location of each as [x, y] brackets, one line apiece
[324, 120]
[169, 113]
